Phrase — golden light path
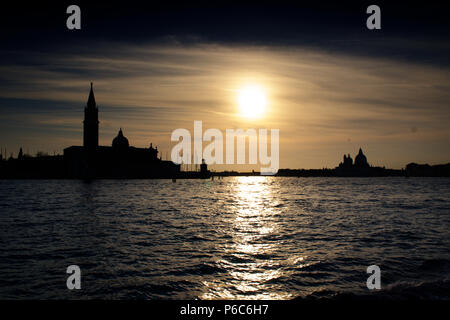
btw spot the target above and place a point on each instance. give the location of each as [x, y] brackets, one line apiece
[254, 222]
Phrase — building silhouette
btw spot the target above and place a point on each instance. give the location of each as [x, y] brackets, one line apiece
[90, 123]
[361, 160]
[92, 161]
[360, 167]
[120, 160]
[348, 161]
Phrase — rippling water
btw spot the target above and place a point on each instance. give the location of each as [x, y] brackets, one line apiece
[236, 238]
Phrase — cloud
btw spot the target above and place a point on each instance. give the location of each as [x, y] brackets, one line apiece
[316, 98]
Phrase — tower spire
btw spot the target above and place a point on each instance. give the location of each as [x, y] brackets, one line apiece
[90, 123]
[91, 100]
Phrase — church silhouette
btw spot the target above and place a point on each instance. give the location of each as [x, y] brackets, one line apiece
[358, 168]
[120, 160]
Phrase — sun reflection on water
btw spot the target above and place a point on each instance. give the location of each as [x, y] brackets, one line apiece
[250, 259]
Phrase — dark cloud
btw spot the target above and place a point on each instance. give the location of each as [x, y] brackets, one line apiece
[409, 31]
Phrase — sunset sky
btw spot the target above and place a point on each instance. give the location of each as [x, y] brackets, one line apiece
[330, 84]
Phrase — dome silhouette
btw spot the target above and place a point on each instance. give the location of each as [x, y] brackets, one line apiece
[361, 160]
[120, 142]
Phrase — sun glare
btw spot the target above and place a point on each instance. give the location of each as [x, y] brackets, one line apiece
[252, 101]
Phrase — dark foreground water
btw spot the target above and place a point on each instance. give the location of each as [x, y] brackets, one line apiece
[236, 238]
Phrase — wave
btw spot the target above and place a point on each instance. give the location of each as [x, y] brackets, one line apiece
[398, 291]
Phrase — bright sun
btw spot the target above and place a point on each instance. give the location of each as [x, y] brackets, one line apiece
[252, 101]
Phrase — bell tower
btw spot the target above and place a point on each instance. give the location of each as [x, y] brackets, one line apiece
[90, 123]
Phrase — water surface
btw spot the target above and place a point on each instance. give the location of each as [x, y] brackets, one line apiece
[236, 238]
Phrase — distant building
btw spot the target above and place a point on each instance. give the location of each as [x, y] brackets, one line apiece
[358, 168]
[425, 170]
[348, 161]
[90, 123]
[120, 160]
[204, 172]
[361, 160]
